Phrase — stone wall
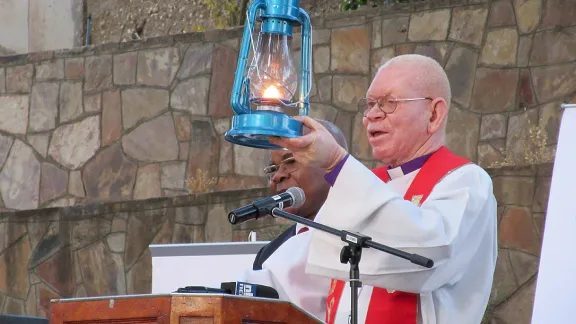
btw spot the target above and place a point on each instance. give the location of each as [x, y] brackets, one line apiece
[132, 120]
[102, 249]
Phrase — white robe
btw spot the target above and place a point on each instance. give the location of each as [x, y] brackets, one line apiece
[284, 271]
[456, 227]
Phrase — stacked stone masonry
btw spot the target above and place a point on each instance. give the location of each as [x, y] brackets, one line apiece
[134, 120]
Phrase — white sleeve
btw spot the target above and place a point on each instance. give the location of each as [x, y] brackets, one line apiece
[284, 270]
[448, 228]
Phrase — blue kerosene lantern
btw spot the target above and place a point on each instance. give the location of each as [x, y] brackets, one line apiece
[271, 83]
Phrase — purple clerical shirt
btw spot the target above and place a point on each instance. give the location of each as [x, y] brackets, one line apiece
[407, 167]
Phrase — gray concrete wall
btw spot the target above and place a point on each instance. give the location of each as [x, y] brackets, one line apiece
[40, 25]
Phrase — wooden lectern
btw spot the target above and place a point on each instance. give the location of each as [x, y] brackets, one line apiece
[177, 309]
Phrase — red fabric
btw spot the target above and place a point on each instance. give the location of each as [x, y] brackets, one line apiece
[302, 230]
[397, 307]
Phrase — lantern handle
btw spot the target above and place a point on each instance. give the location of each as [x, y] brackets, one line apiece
[305, 64]
[235, 100]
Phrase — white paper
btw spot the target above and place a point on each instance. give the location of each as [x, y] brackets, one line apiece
[554, 301]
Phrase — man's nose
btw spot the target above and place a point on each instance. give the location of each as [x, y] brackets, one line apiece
[375, 113]
[280, 176]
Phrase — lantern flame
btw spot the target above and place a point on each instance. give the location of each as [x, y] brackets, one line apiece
[271, 92]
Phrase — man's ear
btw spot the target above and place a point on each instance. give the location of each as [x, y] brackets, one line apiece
[438, 114]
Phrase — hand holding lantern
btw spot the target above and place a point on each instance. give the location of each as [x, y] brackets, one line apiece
[272, 81]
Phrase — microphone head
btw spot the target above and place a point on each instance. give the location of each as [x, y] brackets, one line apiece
[298, 196]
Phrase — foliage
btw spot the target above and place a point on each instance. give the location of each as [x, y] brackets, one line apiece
[201, 182]
[225, 13]
[533, 148]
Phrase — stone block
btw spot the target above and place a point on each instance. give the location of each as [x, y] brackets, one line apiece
[360, 147]
[350, 50]
[501, 84]
[403, 49]
[14, 112]
[550, 116]
[325, 89]
[524, 265]
[74, 68]
[501, 14]
[468, 24]
[348, 90]
[98, 73]
[172, 175]
[524, 46]
[70, 101]
[249, 161]
[92, 103]
[190, 215]
[321, 59]
[379, 57]
[344, 121]
[558, 13]
[43, 106]
[516, 231]
[55, 24]
[511, 190]
[125, 68]
[324, 112]
[157, 67]
[148, 182]
[188, 234]
[519, 143]
[462, 132]
[12, 261]
[224, 60]
[164, 235]
[461, 68]
[217, 228]
[518, 308]
[19, 78]
[50, 70]
[105, 268]
[376, 34]
[110, 175]
[493, 126]
[500, 48]
[197, 60]
[142, 227]
[53, 182]
[554, 46]
[504, 284]
[72, 145]
[542, 195]
[111, 117]
[436, 51]
[58, 272]
[144, 144]
[488, 155]
[395, 30]
[2, 80]
[192, 95]
[141, 104]
[526, 95]
[221, 125]
[342, 21]
[182, 125]
[554, 82]
[39, 142]
[321, 36]
[139, 277]
[528, 14]
[20, 178]
[429, 25]
[204, 148]
[75, 184]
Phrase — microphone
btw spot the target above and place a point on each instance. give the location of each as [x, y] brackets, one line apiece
[247, 289]
[293, 197]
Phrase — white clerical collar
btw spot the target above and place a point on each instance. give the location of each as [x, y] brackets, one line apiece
[408, 167]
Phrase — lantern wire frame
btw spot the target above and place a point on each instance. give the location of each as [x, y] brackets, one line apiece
[310, 74]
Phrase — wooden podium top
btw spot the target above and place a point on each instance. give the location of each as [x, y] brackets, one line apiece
[178, 308]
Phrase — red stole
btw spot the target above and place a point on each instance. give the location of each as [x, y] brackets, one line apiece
[398, 307]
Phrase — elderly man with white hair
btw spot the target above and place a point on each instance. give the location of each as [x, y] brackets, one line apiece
[425, 200]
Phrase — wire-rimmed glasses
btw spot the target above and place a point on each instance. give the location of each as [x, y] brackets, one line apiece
[386, 104]
[289, 165]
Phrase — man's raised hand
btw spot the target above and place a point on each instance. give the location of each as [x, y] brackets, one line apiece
[315, 148]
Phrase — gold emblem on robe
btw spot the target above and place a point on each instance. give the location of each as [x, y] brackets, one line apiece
[416, 200]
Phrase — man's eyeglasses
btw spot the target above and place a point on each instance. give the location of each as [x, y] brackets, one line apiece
[386, 104]
[289, 165]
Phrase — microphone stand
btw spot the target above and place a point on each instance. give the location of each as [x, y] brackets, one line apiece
[352, 253]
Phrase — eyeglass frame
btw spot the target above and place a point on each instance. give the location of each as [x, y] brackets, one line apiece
[365, 109]
[270, 174]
